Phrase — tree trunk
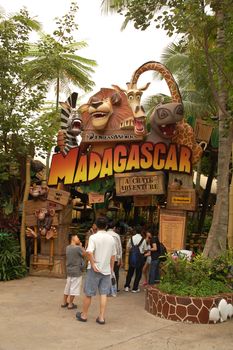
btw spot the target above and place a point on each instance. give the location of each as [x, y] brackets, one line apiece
[230, 222]
[207, 191]
[25, 198]
[216, 241]
[57, 92]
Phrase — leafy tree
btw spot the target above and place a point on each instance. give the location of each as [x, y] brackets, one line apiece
[21, 95]
[56, 58]
[206, 26]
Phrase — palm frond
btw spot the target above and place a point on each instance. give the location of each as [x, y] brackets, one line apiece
[111, 6]
[77, 58]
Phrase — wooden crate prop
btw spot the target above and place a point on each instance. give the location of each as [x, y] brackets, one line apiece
[58, 196]
[42, 268]
[94, 197]
[139, 184]
[202, 131]
[183, 199]
[172, 229]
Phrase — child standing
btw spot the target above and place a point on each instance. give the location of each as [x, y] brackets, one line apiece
[74, 262]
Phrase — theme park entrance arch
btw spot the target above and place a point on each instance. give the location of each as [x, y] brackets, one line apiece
[109, 137]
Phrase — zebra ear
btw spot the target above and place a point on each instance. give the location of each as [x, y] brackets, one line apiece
[64, 105]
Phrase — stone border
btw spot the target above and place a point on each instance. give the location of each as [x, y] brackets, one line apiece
[183, 309]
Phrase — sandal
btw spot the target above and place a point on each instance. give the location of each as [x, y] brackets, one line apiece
[79, 317]
[64, 305]
[74, 306]
[99, 321]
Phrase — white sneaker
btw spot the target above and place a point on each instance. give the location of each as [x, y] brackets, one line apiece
[126, 289]
[136, 291]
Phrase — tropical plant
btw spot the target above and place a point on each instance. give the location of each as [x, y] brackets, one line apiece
[21, 96]
[11, 265]
[55, 56]
[201, 277]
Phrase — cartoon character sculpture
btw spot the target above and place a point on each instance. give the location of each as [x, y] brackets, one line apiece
[39, 191]
[167, 123]
[71, 124]
[107, 119]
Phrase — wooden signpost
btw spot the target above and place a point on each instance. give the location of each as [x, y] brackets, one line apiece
[172, 229]
[58, 196]
[94, 197]
[140, 183]
[183, 199]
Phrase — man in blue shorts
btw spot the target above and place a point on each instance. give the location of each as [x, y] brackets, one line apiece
[101, 253]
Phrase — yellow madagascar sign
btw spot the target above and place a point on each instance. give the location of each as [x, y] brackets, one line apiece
[176, 200]
[76, 167]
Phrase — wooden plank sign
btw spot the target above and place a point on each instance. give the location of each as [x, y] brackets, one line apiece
[143, 201]
[183, 199]
[172, 229]
[140, 183]
[58, 196]
[95, 197]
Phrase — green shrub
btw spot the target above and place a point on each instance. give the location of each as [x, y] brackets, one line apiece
[201, 277]
[11, 265]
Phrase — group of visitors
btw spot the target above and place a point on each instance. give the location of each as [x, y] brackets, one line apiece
[147, 261]
[104, 255]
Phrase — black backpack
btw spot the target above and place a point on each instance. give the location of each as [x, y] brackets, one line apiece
[135, 256]
[163, 252]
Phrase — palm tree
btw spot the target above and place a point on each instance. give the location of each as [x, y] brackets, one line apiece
[55, 58]
[109, 6]
[59, 65]
[191, 78]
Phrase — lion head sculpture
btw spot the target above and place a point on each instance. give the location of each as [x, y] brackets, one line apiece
[106, 110]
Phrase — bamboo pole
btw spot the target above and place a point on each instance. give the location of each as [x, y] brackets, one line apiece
[51, 253]
[35, 255]
[230, 220]
[25, 198]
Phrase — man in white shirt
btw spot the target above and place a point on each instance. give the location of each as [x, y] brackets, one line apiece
[118, 246]
[139, 241]
[101, 253]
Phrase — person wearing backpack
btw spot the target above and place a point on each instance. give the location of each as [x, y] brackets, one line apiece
[154, 276]
[137, 246]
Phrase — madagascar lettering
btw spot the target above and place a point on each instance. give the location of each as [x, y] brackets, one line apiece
[77, 168]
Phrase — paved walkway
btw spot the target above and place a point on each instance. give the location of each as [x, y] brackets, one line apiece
[31, 319]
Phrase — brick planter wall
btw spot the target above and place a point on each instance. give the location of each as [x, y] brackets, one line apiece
[183, 309]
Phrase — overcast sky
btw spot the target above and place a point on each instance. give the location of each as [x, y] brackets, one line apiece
[117, 53]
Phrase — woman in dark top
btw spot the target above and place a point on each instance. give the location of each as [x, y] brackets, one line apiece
[154, 267]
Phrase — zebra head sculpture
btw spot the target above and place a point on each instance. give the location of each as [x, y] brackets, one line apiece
[71, 123]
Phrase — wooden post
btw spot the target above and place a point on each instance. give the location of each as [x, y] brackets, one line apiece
[126, 254]
[25, 198]
[51, 253]
[35, 255]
